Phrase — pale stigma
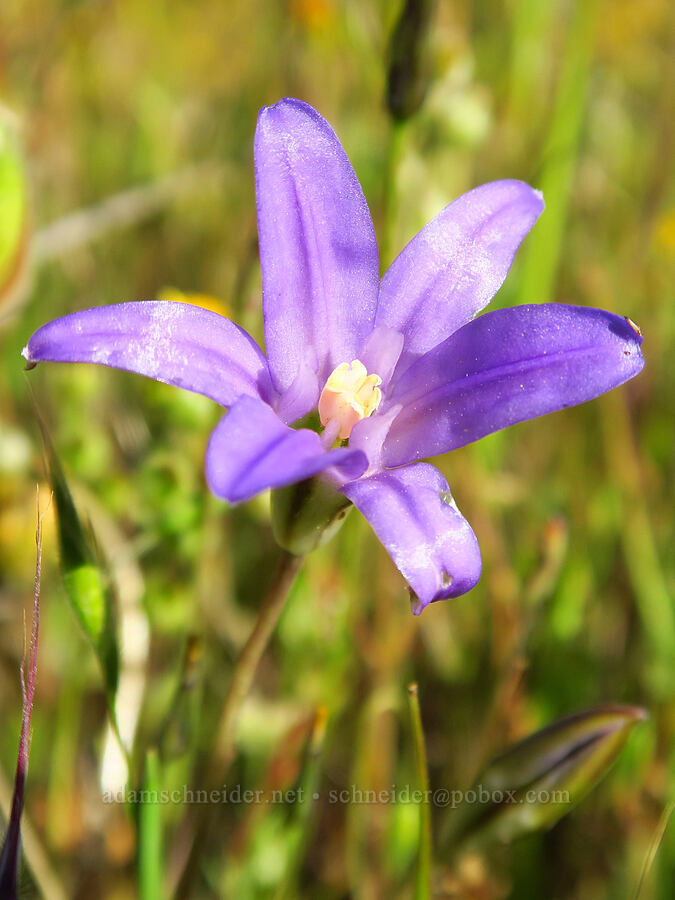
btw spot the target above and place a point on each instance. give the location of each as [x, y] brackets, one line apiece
[349, 395]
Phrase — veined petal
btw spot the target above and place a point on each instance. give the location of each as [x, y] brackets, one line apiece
[505, 367]
[251, 449]
[176, 343]
[318, 251]
[302, 396]
[412, 512]
[452, 269]
[381, 352]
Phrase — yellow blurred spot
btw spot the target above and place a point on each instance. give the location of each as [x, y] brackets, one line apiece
[120, 841]
[664, 232]
[315, 14]
[319, 729]
[206, 301]
[631, 24]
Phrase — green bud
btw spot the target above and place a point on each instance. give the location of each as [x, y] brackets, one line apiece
[408, 71]
[540, 779]
[307, 514]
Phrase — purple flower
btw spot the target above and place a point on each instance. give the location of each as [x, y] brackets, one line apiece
[399, 368]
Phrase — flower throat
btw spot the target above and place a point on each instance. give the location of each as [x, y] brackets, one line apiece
[349, 395]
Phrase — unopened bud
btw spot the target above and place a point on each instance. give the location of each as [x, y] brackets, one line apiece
[409, 70]
[540, 779]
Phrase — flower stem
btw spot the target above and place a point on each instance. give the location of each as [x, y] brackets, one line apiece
[247, 663]
[242, 678]
[423, 880]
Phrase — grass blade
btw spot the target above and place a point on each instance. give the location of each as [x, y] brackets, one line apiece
[150, 833]
[423, 881]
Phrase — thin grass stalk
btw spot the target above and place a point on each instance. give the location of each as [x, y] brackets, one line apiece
[424, 858]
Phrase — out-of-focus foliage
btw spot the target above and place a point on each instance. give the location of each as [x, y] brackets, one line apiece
[573, 513]
[14, 206]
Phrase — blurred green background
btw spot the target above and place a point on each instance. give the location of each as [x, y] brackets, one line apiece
[126, 173]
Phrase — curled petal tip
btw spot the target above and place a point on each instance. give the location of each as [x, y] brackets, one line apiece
[523, 194]
[286, 104]
[636, 328]
[416, 605]
[30, 362]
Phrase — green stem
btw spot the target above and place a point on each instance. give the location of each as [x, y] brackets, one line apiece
[390, 198]
[654, 847]
[305, 811]
[247, 664]
[423, 881]
[150, 834]
[240, 685]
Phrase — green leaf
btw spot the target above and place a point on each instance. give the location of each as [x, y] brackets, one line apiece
[424, 861]
[83, 577]
[85, 585]
[540, 779]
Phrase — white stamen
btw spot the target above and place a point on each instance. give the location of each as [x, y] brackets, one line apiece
[349, 395]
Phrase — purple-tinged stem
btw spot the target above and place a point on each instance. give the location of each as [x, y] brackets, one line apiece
[9, 859]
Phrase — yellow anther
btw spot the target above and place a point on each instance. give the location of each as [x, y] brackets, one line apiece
[350, 394]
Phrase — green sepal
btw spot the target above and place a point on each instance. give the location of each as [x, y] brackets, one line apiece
[307, 514]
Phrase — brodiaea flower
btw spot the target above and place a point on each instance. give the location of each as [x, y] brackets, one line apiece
[398, 368]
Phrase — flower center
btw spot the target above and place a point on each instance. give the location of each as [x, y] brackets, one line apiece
[349, 395]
